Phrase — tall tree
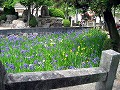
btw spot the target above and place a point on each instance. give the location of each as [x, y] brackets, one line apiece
[64, 5]
[27, 4]
[97, 6]
[108, 17]
[83, 5]
[39, 3]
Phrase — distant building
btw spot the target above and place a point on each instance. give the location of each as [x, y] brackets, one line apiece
[20, 8]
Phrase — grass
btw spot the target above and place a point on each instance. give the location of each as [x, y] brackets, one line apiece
[29, 53]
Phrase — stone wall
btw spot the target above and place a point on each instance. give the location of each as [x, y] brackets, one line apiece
[43, 30]
[49, 22]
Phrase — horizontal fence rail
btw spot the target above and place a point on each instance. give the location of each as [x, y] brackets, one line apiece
[56, 79]
[104, 75]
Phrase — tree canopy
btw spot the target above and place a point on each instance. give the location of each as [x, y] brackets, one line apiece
[105, 7]
[9, 3]
[1, 2]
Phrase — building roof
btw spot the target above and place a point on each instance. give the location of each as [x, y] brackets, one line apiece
[18, 5]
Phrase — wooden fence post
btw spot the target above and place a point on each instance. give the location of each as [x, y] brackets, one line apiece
[2, 76]
[109, 62]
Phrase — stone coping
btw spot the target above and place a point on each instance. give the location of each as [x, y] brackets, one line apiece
[43, 30]
[49, 75]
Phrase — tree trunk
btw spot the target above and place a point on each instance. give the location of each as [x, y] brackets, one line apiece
[76, 15]
[29, 12]
[100, 22]
[36, 14]
[114, 35]
[33, 10]
[67, 10]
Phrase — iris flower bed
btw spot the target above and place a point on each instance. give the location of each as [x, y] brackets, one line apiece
[33, 52]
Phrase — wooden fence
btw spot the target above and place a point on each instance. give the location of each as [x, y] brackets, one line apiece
[104, 75]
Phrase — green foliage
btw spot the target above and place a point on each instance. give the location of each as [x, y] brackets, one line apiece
[101, 5]
[10, 3]
[33, 22]
[10, 10]
[107, 44]
[38, 3]
[66, 6]
[54, 12]
[1, 2]
[51, 10]
[3, 17]
[66, 23]
[48, 2]
[26, 3]
[98, 6]
[51, 51]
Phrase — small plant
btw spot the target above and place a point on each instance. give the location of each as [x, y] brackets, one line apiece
[33, 22]
[107, 44]
[3, 17]
[66, 23]
[51, 11]
[56, 13]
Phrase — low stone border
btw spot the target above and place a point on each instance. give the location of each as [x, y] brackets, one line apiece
[42, 30]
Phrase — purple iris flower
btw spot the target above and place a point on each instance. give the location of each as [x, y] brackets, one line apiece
[25, 65]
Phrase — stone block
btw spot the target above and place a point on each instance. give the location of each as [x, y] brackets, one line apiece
[11, 17]
[44, 11]
[2, 76]
[18, 24]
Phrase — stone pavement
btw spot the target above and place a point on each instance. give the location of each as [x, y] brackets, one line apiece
[3, 28]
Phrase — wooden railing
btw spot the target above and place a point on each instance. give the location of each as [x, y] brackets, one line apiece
[104, 75]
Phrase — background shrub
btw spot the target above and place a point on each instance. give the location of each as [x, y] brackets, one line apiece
[66, 23]
[107, 44]
[3, 17]
[33, 22]
[51, 11]
[9, 11]
[54, 12]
